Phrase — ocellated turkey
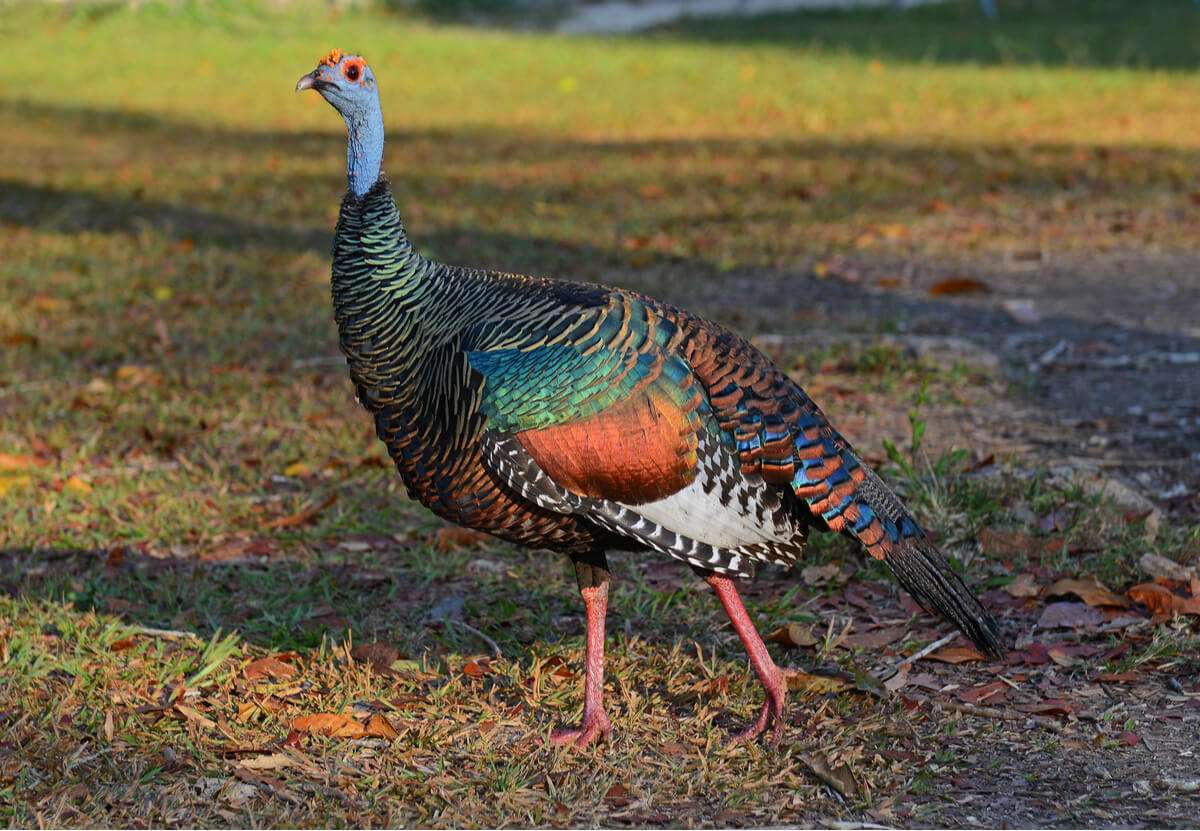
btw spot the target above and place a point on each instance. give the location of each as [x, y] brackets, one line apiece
[583, 418]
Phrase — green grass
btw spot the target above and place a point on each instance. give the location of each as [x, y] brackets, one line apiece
[170, 390]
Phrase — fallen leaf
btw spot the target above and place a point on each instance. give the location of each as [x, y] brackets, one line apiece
[132, 375]
[793, 635]
[302, 516]
[298, 470]
[1005, 544]
[1162, 601]
[838, 777]
[122, 644]
[1128, 739]
[876, 638]
[958, 285]
[10, 461]
[1061, 658]
[1067, 615]
[1025, 585]
[269, 667]
[1090, 590]
[10, 483]
[994, 692]
[267, 761]
[336, 725]
[379, 655]
[75, 484]
[452, 537]
[805, 682]
[956, 655]
[821, 575]
[617, 796]
[1119, 677]
[476, 669]
[108, 726]
[379, 727]
[1048, 707]
[195, 716]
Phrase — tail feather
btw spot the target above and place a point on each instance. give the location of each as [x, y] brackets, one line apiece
[924, 573]
[850, 497]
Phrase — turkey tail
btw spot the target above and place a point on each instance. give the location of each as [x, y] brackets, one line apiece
[924, 573]
[851, 498]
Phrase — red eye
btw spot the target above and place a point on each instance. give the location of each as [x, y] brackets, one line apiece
[352, 72]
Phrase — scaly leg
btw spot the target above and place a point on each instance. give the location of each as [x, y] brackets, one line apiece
[770, 676]
[593, 586]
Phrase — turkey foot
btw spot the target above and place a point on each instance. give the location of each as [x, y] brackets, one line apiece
[595, 725]
[771, 714]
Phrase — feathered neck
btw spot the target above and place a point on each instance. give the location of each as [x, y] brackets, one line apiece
[364, 147]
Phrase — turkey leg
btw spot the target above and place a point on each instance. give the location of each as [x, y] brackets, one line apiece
[769, 674]
[593, 586]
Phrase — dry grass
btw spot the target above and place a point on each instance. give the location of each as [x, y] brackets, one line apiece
[181, 450]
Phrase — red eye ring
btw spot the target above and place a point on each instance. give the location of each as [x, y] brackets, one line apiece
[353, 71]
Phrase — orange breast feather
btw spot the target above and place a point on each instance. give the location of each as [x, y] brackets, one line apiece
[640, 450]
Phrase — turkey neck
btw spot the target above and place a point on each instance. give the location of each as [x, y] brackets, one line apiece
[382, 292]
[364, 147]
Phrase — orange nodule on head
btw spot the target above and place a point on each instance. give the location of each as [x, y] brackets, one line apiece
[332, 58]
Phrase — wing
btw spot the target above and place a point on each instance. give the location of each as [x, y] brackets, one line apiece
[602, 415]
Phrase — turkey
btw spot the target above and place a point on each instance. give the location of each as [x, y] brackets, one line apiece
[583, 419]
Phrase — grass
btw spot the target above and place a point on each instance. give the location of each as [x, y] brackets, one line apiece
[181, 452]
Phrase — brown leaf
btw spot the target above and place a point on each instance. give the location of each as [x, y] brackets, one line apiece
[108, 726]
[958, 285]
[1069, 616]
[1004, 544]
[195, 716]
[994, 692]
[267, 761]
[452, 537]
[838, 777]
[821, 575]
[793, 635]
[1090, 590]
[336, 725]
[1048, 707]
[476, 669]
[302, 516]
[10, 461]
[1128, 739]
[379, 727]
[270, 667]
[876, 638]
[1162, 601]
[956, 655]
[1119, 677]
[803, 681]
[122, 645]
[617, 796]
[75, 484]
[379, 655]
[1024, 586]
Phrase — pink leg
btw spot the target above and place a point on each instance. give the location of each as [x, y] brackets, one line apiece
[769, 674]
[595, 722]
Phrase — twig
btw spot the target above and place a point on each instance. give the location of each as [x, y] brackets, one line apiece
[933, 647]
[992, 712]
[173, 634]
[471, 628]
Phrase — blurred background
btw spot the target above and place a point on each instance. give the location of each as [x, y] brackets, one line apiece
[968, 229]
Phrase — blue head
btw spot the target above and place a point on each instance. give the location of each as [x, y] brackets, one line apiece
[347, 83]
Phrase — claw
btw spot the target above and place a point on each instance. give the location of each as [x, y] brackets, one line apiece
[594, 727]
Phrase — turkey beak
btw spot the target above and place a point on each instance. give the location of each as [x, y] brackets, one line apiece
[309, 81]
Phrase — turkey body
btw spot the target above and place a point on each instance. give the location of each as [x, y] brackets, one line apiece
[566, 416]
[582, 418]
